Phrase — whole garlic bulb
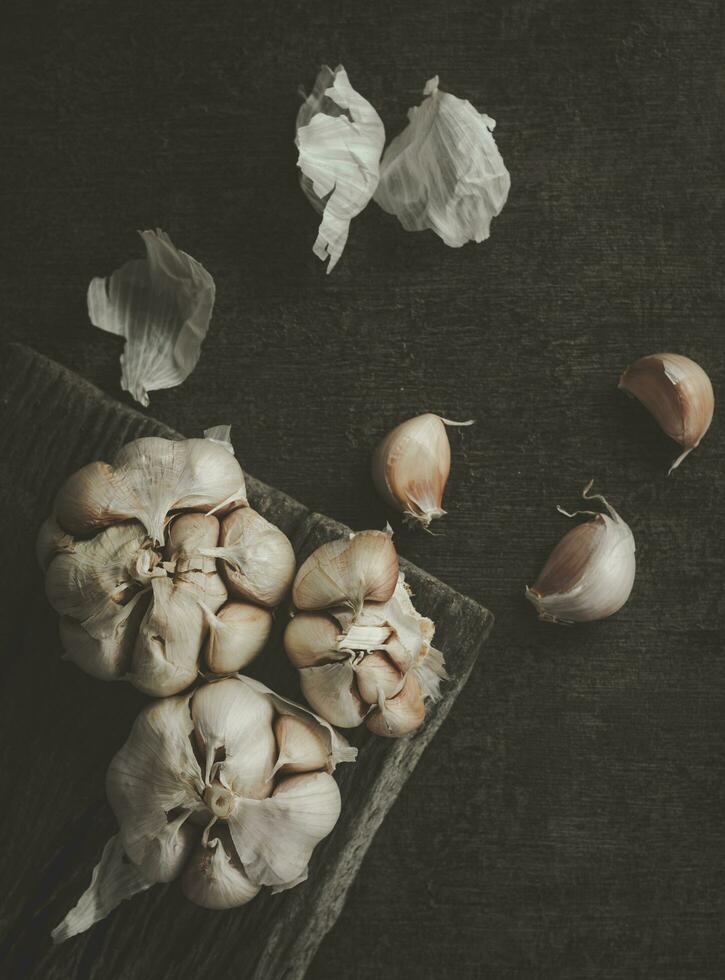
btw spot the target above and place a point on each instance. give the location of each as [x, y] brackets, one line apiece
[148, 605]
[677, 392]
[227, 789]
[590, 573]
[411, 465]
[444, 171]
[363, 654]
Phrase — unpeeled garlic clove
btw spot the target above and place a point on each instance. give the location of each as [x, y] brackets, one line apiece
[340, 138]
[51, 541]
[348, 572]
[147, 479]
[590, 573]
[301, 744]
[444, 171]
[331, 690]
[401, 714]
[677, 393]
[258, 559]
[214, 877]
[237, 634]
[377, 677]
[108, 657]
[188, 532]
[411, 465]
[311, 639]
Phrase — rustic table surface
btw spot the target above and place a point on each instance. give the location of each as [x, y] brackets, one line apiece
[567, 822]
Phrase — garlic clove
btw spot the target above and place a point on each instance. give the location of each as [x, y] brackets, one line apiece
[91, 498]
[401, 714]
[302, 743]
[188, 532]
[310, 639]
[166, 854]
[332, 692]
[109, 657]
[411, 465]
[169, 639]
[677, 393]
[340, 138]
[233, 729]
[275, 837]
[214, 877]
[258, 561]
[115, 879]
[237, 634]
[444, 171]
[98, 576]
[197, 577]
[377, 677]
[162, 305]
[590, 573]
[348, 572]
[51, 541]
[153, 773]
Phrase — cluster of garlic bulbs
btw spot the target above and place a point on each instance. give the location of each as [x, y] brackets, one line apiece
[158, 566]
[443, 172]
[363, 651]
[227, 789]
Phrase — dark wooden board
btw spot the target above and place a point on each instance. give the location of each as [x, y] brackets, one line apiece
[60, 727]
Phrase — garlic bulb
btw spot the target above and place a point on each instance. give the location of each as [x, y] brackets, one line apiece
[227, 789]
[444, 171]
[348, 572]
[368, 656]
[677, 392]
[590, 573]
[411, 466]
[162, 305]
[340, 138]
[155, 589]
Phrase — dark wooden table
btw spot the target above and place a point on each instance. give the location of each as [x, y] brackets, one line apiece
[569, 820]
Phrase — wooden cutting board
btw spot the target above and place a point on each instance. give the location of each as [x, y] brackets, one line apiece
[60, 728]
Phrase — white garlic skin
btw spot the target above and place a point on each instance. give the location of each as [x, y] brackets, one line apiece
[444, 171]
[590, 573]
[677, 393]
[411, 465]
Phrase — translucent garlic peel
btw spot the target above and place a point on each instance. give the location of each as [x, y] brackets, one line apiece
[162, 305]
[590, 573]
[444, 171]
[144, 598]
[186, 810]
[340, 138]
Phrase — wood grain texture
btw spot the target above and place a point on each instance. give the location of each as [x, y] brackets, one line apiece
[567, 821]
[52, 422]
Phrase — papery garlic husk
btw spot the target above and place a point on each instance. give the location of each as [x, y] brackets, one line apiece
[202, 791]
[108, 657]
[258, 561]
[411, 465]
[146, 480]
[237, 634]
[162, 305]
[340, 138]
[352, 665]
[677, 393]
[590, 573]
[444, 171]
[348, 572]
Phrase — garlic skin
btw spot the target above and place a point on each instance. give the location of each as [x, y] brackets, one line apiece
[677, 393]
[348, 572]
[444, 171]
[146, 576]
[202, 793]
[590, 573]
[162, 305]
[372, 662]
[340, 138]
[411, 465]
